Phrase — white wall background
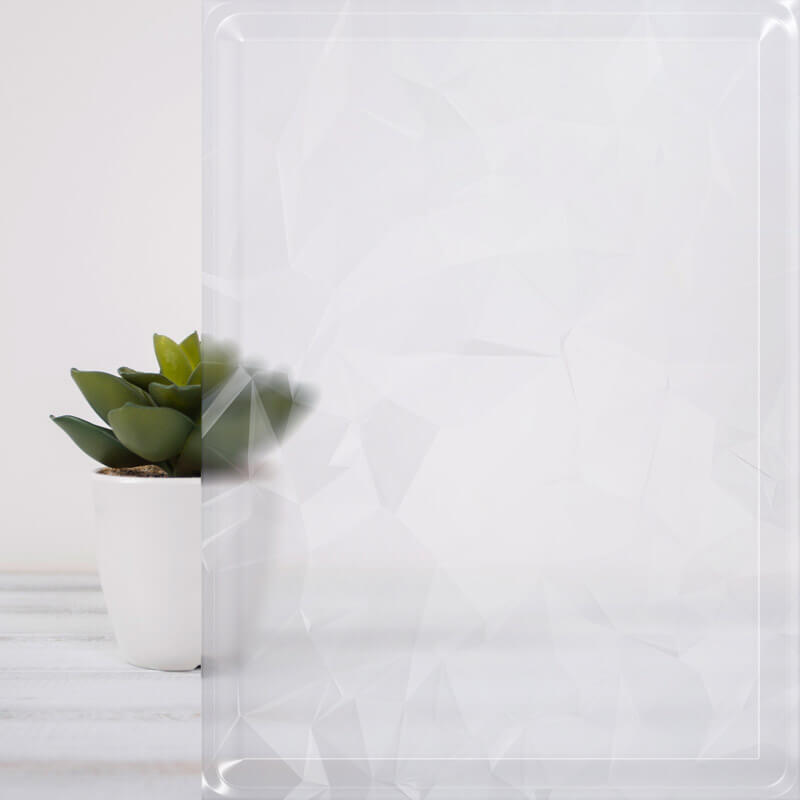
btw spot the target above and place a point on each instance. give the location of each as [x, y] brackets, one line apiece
[99, 235]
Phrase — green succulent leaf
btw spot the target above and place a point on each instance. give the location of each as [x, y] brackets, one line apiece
[191, 346]
[155, 416]
[105, 392]
[185, 399]
[218, 350]
[172, 360]
[142, 379]
[190, 460]
[211, 374]
[155, 433]
[226, 443]
[276, 399]
[97, 442]
[196, 376]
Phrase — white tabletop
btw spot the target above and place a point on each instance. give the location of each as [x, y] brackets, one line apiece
[75, 720]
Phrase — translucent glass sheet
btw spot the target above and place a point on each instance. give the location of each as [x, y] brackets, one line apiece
[501, 498]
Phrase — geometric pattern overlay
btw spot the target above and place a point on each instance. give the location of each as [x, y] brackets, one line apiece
[537, 536]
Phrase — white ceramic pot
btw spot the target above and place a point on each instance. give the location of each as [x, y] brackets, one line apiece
[148, 556]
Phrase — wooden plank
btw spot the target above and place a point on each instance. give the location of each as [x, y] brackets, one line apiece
[43, 653]
[75, 720]
[85, 781]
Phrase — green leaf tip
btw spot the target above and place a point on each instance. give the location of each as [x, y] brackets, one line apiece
[105, 392]
[99, 443]
[191, 346]
[172, 360]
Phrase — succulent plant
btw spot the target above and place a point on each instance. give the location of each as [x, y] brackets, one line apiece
[154, 417]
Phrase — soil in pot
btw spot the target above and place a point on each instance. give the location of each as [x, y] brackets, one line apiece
[146, 471]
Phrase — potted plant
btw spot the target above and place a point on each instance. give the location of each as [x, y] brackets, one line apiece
[147, 495]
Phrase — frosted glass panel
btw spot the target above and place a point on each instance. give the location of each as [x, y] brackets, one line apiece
[501, 486]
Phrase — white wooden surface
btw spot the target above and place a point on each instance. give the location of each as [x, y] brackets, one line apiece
[75, 720]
